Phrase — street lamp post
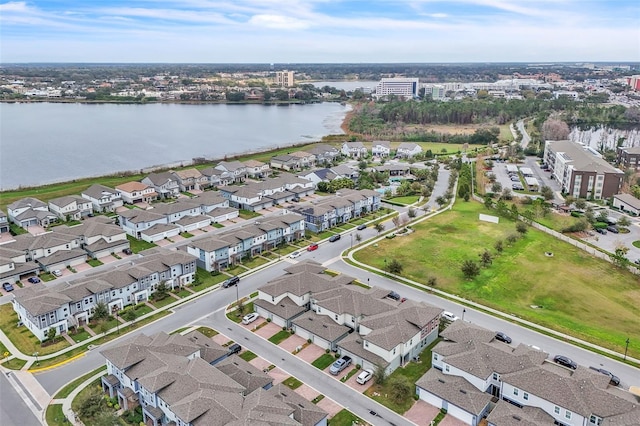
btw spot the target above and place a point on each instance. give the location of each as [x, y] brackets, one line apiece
[115, 311]
[237, 298]
[36, 355]
[385, 266]
[463, 312]
[626, 348]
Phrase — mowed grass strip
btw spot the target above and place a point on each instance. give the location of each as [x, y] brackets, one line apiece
[575, 293]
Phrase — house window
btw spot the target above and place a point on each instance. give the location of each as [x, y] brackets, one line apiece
[567, 414]
[495, 376]
[525, 396]
[446, 368]
[556, 409]
[435, 357]
[516, 391]
[336, 317]
[366, 344]
[595, 420]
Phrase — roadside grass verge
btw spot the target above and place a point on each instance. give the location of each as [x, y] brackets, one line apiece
[236, 316]
[409, 199]
[54, 416]
[209, 332]
[279, 337]
[69, 387]
[164, 302]
[345, 418]
[14, 364]
[570, 292]
[95, 262]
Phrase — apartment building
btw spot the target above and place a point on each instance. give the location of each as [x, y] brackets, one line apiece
[68, 304]
[581, 171]
[401, 87]
[285, 78]
[628, 158]
[168, 378]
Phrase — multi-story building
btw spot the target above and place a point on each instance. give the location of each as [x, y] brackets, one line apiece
[629, 158]
[402, 87]
[4, 223]
[381, 148]
[103, 198]
[285, 78]
[165, 184]
[70, 207]
[30, 212]
[69, 304]
[581, 171]
[136, 192]
[168, 377]
[354, 149]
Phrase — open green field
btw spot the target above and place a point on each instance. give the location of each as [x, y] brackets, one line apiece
[574, 292]
[409, 199]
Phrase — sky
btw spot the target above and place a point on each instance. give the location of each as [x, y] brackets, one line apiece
[324, 31]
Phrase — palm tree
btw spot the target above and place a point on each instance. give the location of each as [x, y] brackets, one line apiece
[379, 227]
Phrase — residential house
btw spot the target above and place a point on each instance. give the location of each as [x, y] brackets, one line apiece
[324, 153]
[354, 149]
[103, 198]
[70, 207]
[134, 221]
[168, 378]
[4, 224]
[191, 179]
[395, 170]
[261, 195]
[29, 211]
[98, 236]
[216, 177]
[345, 171]
[136, 192]
[68, 304]
[14, 265]
[257, 169]
[470, 368]
[408, 150]
[236, 170]
[581, 171]
[381, 148]
[164, 183]
[627, 203]
[297, 160]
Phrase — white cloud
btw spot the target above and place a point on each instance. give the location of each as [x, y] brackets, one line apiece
[279, 22]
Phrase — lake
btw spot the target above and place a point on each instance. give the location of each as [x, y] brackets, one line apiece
[52, 142]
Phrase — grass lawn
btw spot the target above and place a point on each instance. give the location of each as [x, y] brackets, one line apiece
[97, 326]
[22, 337]
[255, 262]
[236, 316]
[345, 418]
[209, 332]
[279, 337]
[248, 214]
[183, 293]
[574, 292]
[81, 336]
[636, 243]
[207, 280]
[164, 302]
[248, 355]
[14, 364]
[505, 133]
[292, 382]
[139, 245]
[409, 199]
[323, 361]
[217, 225]
[325, 234]
[54, 415]
[69, 387]
[186, 235]
[94, 262]
[179, 330]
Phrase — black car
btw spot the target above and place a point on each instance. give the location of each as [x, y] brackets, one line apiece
[613, 379]
[127, 251]
[565, 361]
[613, 229]
[334, 238]
[601, 231]
[393, 295]
[34, 280]
[231, 282]
[503, 337]
[234, 349]
[361, 227]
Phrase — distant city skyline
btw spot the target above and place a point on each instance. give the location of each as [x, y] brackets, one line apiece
[323, 31]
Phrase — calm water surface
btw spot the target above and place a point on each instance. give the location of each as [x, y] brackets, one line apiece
[52, 142]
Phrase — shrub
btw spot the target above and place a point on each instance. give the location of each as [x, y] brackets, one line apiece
[268, 319]
[284, 328]
[308, 340]
[326, 351]
[337, 355]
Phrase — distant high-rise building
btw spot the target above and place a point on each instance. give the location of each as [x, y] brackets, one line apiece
[284, 78]
[634, 82]
[405, 87]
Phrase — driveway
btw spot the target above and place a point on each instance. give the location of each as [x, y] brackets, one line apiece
[278, 375]
[110, 259]
[221, 339]
[290, 344]
[330, 406]
[163, 243]
[340, 374]
[307, 392]
[421, 413]
[311, 353]
[257, 323]
[268, 330]
[36, 230]
[451, 421]
[83, 267]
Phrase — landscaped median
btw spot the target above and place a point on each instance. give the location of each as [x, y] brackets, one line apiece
[571, 292]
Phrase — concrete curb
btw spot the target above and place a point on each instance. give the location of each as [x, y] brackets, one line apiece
[73, 358]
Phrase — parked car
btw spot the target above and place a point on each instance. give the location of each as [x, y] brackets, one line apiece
[361, 227]
[340, 365]
[312, 247]
[295, 199]
[294, 254]
[364, 377]
[7, 286]
[601, 231]
[613, 229]
[334, 238]
[34, 280]
[565, 361]
[249, 318]
[57, 273]
[234, 349]
[393, 295]
[613, 379]
[503, 337]
[127, 251]
[231, 282]
[449, 316]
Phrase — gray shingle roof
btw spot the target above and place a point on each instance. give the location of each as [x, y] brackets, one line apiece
[456, 390]
[507, 414]
[321, 326]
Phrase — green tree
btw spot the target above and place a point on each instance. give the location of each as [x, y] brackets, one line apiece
[624, 221]
[546, 192]
[51, 334]
[340, 183]
[441, 201]
[496, 187]
[395, 267]
[411, 213]
[106, 418]
[380, 375]
[281, 95]
[400, 389]
[100, 311]
[379, 227]
[511, 239]
[323, 186]
[499, 246]
[580, 203]
[470, 269]
[619, 256]
[90, 403]
[486, 258]
[522, 228]
[161, 292]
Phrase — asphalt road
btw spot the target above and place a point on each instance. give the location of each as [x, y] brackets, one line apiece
[13, 409]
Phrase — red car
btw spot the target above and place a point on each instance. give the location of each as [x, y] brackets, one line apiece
[312, 247]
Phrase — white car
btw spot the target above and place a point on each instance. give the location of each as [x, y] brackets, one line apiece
[57, 273]
[449, 316]
[249, 318]
[294, 254]
[364, 377]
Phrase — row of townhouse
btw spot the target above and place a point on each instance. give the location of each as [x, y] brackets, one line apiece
[166, 220]
[298, 160]
[380, 149]
[347, 204]
[362, 323]
[265, 194]
[68, 304]
[475, 377]
[66, 246]
[341, 171]
[223, 250]
[175, 382]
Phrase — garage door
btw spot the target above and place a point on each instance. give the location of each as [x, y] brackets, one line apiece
[460, 414]
[303, 333]
[430, 398]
